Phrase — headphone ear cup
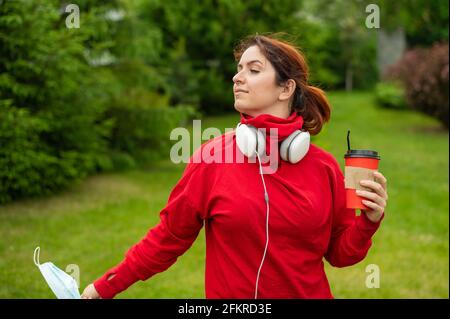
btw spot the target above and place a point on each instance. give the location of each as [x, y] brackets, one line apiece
[249, 140]
[295, 146]
[261, 145]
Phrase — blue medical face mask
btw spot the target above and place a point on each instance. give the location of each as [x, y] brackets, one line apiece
[61, 283]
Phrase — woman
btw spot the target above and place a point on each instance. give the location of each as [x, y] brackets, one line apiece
[308, 218]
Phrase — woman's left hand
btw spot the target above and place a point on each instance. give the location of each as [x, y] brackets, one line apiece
[376, 199]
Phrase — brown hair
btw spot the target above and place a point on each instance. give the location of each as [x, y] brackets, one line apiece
[289, 63]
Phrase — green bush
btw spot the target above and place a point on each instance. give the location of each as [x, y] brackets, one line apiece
[390, 95]
[50, 133]
[122, 161]
[424, 73]
[143, 131]
[27, 166]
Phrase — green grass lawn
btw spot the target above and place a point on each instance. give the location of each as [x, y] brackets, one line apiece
[95, 222]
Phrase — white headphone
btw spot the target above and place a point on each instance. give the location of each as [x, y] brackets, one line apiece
[251, 140]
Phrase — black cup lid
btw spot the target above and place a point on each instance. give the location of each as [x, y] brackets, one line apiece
[362, 153]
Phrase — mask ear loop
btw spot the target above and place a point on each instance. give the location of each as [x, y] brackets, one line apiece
[36, 253]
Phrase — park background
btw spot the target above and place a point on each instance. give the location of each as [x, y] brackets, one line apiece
[86, 113]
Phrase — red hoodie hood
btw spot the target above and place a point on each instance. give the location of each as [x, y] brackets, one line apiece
[266, 121]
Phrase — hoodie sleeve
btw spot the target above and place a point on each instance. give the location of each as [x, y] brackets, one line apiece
[350, 234]
[180, 222]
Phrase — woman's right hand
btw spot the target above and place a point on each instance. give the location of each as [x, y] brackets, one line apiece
[90, 293]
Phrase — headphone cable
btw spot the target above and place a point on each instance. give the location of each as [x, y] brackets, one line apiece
[266, 198]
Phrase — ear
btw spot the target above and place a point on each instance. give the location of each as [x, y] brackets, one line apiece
[287, 90]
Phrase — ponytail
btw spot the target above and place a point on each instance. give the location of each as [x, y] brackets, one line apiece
[311, 103]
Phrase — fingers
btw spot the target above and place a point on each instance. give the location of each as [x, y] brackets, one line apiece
[377, 199]
[372, 205]
[89, 292]
[381, 179]
[377, 188]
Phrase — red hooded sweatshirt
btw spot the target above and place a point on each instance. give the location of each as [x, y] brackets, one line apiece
[308, 221]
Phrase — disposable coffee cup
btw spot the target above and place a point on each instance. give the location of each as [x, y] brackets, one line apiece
[359, 165]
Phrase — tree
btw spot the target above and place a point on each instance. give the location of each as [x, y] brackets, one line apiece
[199, 41]
[349, 45]
[50, 135]
[425, 22]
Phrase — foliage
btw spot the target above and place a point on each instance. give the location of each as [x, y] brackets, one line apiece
[142, 132]
[424, 73]
[60, 87]
[340, 48]
[199, 39]
[390, 95]
[50, 134]
[424, 21]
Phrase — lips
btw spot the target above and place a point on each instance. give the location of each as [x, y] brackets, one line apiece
[240, 91]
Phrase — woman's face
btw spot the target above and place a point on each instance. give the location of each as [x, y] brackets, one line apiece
[255, 91]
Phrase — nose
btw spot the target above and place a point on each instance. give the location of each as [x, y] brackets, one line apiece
[238, 77]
